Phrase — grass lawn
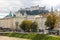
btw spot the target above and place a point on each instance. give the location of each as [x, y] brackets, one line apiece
[33, 36]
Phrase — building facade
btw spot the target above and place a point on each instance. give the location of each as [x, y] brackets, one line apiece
[13, 22]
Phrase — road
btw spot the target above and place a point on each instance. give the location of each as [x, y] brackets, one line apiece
[10, 38]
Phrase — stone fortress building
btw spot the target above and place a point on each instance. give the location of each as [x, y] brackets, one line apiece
[13, 20]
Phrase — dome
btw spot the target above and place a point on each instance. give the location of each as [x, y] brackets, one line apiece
[9, 15]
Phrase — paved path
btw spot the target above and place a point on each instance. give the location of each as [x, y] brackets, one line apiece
[10, 38]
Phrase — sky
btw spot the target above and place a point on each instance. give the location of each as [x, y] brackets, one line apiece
[13, 5]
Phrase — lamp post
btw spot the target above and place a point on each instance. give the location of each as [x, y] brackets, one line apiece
[16, 24]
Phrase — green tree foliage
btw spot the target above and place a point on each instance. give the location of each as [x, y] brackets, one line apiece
[51, 21]
[34, 26]
[25, 25]
[28, 26]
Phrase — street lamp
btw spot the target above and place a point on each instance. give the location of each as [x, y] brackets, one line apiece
[16, 24]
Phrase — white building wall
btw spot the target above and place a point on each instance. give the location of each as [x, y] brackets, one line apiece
[10, 22]
[41, 22]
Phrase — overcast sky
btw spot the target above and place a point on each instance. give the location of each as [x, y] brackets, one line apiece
[14, 5]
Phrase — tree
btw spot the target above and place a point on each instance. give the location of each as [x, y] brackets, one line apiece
[34, 26]
[26, 25]
[51, 21]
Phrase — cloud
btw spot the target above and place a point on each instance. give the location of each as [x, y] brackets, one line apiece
[6, 5]
[14, 5]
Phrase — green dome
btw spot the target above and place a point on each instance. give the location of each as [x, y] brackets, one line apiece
[9, 15]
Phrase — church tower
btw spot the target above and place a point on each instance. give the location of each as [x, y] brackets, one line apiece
[51, 9]
[10, 14]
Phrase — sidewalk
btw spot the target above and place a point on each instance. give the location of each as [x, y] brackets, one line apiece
[10, 38]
